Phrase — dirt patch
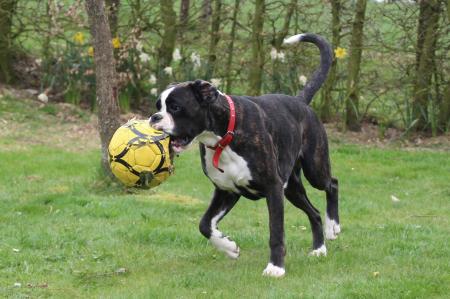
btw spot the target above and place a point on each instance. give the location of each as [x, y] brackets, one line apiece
[373, 135]
[62, 124]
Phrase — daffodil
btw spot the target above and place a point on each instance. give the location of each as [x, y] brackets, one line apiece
[91, 51]
[340, 52]
[79, 38]
[116, 43]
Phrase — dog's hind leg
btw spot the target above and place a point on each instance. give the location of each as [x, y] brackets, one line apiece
[317, 171]
[296, 194]
[332, 227]
[221, 203]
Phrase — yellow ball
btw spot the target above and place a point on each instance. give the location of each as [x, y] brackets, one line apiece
[139, 155]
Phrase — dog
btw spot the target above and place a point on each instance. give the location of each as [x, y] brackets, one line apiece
[256, 147]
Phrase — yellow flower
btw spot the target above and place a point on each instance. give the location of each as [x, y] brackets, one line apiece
[79, 38]
[116, 43]
[91, 51]
[340, 52]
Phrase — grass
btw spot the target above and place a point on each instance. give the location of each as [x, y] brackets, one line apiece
[65, 233]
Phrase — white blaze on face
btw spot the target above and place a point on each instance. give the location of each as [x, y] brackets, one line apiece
[166, 124]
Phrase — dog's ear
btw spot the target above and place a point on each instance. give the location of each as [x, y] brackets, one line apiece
[204, 91]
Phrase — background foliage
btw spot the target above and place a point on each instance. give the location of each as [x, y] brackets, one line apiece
[157, 42]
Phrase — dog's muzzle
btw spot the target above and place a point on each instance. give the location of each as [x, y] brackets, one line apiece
[157, 117]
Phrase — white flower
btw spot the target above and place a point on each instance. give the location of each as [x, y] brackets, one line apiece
[17, 284]
[195, 58]
[154, 91]
[144, 57]
[302, 79]
[139, 46]
[281, 56]
[216, 82]
[176, 55]
[168, 70]
[273, 54]
[152, 79]
[43, 98]
[38, 61]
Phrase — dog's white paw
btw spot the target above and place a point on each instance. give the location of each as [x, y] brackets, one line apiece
[332, 229]
[322, 250]
[224, 244]
[273, 271]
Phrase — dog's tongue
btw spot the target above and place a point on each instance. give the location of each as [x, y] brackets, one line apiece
[177, 145]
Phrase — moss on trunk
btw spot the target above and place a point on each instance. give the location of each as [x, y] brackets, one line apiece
[7, 10]
[257, 63]
[352, 121]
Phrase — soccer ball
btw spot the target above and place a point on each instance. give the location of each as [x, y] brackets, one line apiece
[139, 155]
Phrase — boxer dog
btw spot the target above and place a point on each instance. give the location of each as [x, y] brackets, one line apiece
[256, 147]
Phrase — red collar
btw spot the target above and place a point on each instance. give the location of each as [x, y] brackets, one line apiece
[228, 137]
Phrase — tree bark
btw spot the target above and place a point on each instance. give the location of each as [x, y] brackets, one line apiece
[325, 109]
[425, 53]
[183, 21]
[113, 15]
[448, 11]
[354, 64]
[7, 10]
[278, 41]
[231, 48]
[257, 63]
[184, 13]
[214, 39]
[105, 74]
[206, 11]
[167, 46]
[444, 110]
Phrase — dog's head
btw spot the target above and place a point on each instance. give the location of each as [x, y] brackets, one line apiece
[183, 111]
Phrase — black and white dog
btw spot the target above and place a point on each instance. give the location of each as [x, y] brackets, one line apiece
[273, 138]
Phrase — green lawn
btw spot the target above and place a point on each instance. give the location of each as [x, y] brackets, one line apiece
[64, 233]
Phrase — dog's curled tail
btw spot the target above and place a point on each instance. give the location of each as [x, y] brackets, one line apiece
[326, 58]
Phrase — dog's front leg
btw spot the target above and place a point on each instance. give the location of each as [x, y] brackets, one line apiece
[275, 268]
[221, 203]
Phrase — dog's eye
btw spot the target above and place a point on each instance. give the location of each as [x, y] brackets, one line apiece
[158, 104]
[174, 108]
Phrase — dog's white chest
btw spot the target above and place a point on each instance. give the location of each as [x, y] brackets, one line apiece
[235, 169]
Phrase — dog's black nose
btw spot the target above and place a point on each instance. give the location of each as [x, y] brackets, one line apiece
[155, 118]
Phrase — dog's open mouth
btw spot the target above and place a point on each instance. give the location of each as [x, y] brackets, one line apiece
[179, 143]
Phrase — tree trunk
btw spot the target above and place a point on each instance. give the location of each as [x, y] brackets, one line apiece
[448, 10]
[113, 15]
[325, 109]
[105, 74]
[184, 13]
[214, 39]
[257, 63]
[354, 64]
[425, 52]
[183, 21]
[444, 110]
[231, 48]
[278, 41]
[7, 10]
[206, 11]
[167, 47]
